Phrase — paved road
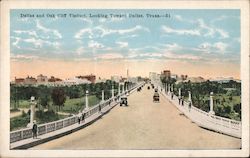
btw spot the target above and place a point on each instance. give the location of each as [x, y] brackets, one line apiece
[143, 125]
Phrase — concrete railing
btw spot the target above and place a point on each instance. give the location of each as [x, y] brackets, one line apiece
[205, 119]
[56, 125]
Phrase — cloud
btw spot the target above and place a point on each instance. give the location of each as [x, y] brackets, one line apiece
[54, 32]
[202, 29]
[122, 44]
[181, 56]
[16, 43]
[22, 57]
[110, 56]
[100, 31]
[218, 47]
[80, 33]
[30, 33]
[211, 30]
[80, 50]
[193, 32]
[95, 44]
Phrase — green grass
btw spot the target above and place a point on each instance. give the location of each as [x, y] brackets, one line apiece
[70, 105]
[22, 104]
[76, 104]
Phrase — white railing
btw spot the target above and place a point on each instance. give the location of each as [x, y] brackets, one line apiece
[205, 119]
[56, 125]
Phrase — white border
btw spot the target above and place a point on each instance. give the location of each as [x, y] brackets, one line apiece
[243, 5]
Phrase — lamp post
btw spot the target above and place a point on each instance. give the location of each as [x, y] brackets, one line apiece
[119, 91]
[189, 97]
[103, 96]
[86, 100]
[123, 87]
[112, 91]
[211, 104]
[32, 109]
[179, 93]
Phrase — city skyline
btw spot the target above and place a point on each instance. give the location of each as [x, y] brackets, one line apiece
[192, 42]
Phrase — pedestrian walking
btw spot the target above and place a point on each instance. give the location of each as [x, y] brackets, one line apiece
[34, 130]
[83, 117]
[189, 106]
[100, 108]
[79, 119]
[182, 101]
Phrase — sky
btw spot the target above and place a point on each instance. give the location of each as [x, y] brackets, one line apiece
[194, 42]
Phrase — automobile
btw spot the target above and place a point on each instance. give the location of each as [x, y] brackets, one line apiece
[156, 90]
[148, 87]
[139, 89]
[124, 100]
[156, 97]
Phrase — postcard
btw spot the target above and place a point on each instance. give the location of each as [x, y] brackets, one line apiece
[124, 79]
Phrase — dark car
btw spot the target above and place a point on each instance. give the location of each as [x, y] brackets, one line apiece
[148, 87]
[156, 97]
[124, 100]
[139, 89]
[156, 90]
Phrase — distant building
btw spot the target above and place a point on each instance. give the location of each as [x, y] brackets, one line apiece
[53, 79]
[195, 79]
[116, 78]
[42, 79]
[74, 81]
[184, 77]
[30, 80]
[166, 73]
[91, 78]
[19, 80]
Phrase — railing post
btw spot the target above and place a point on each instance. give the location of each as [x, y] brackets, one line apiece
[211, 103]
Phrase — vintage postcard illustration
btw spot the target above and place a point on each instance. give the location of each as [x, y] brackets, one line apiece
[129, 79]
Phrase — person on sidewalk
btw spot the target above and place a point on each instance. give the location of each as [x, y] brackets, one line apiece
[100, 108]
[83, 117]
[34, 130]
[79, 119]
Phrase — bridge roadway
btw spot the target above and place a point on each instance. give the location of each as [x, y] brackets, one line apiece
[143, 125]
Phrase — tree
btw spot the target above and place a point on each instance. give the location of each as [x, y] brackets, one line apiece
[58, 96]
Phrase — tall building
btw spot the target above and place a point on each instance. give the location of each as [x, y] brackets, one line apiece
[166, 73]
